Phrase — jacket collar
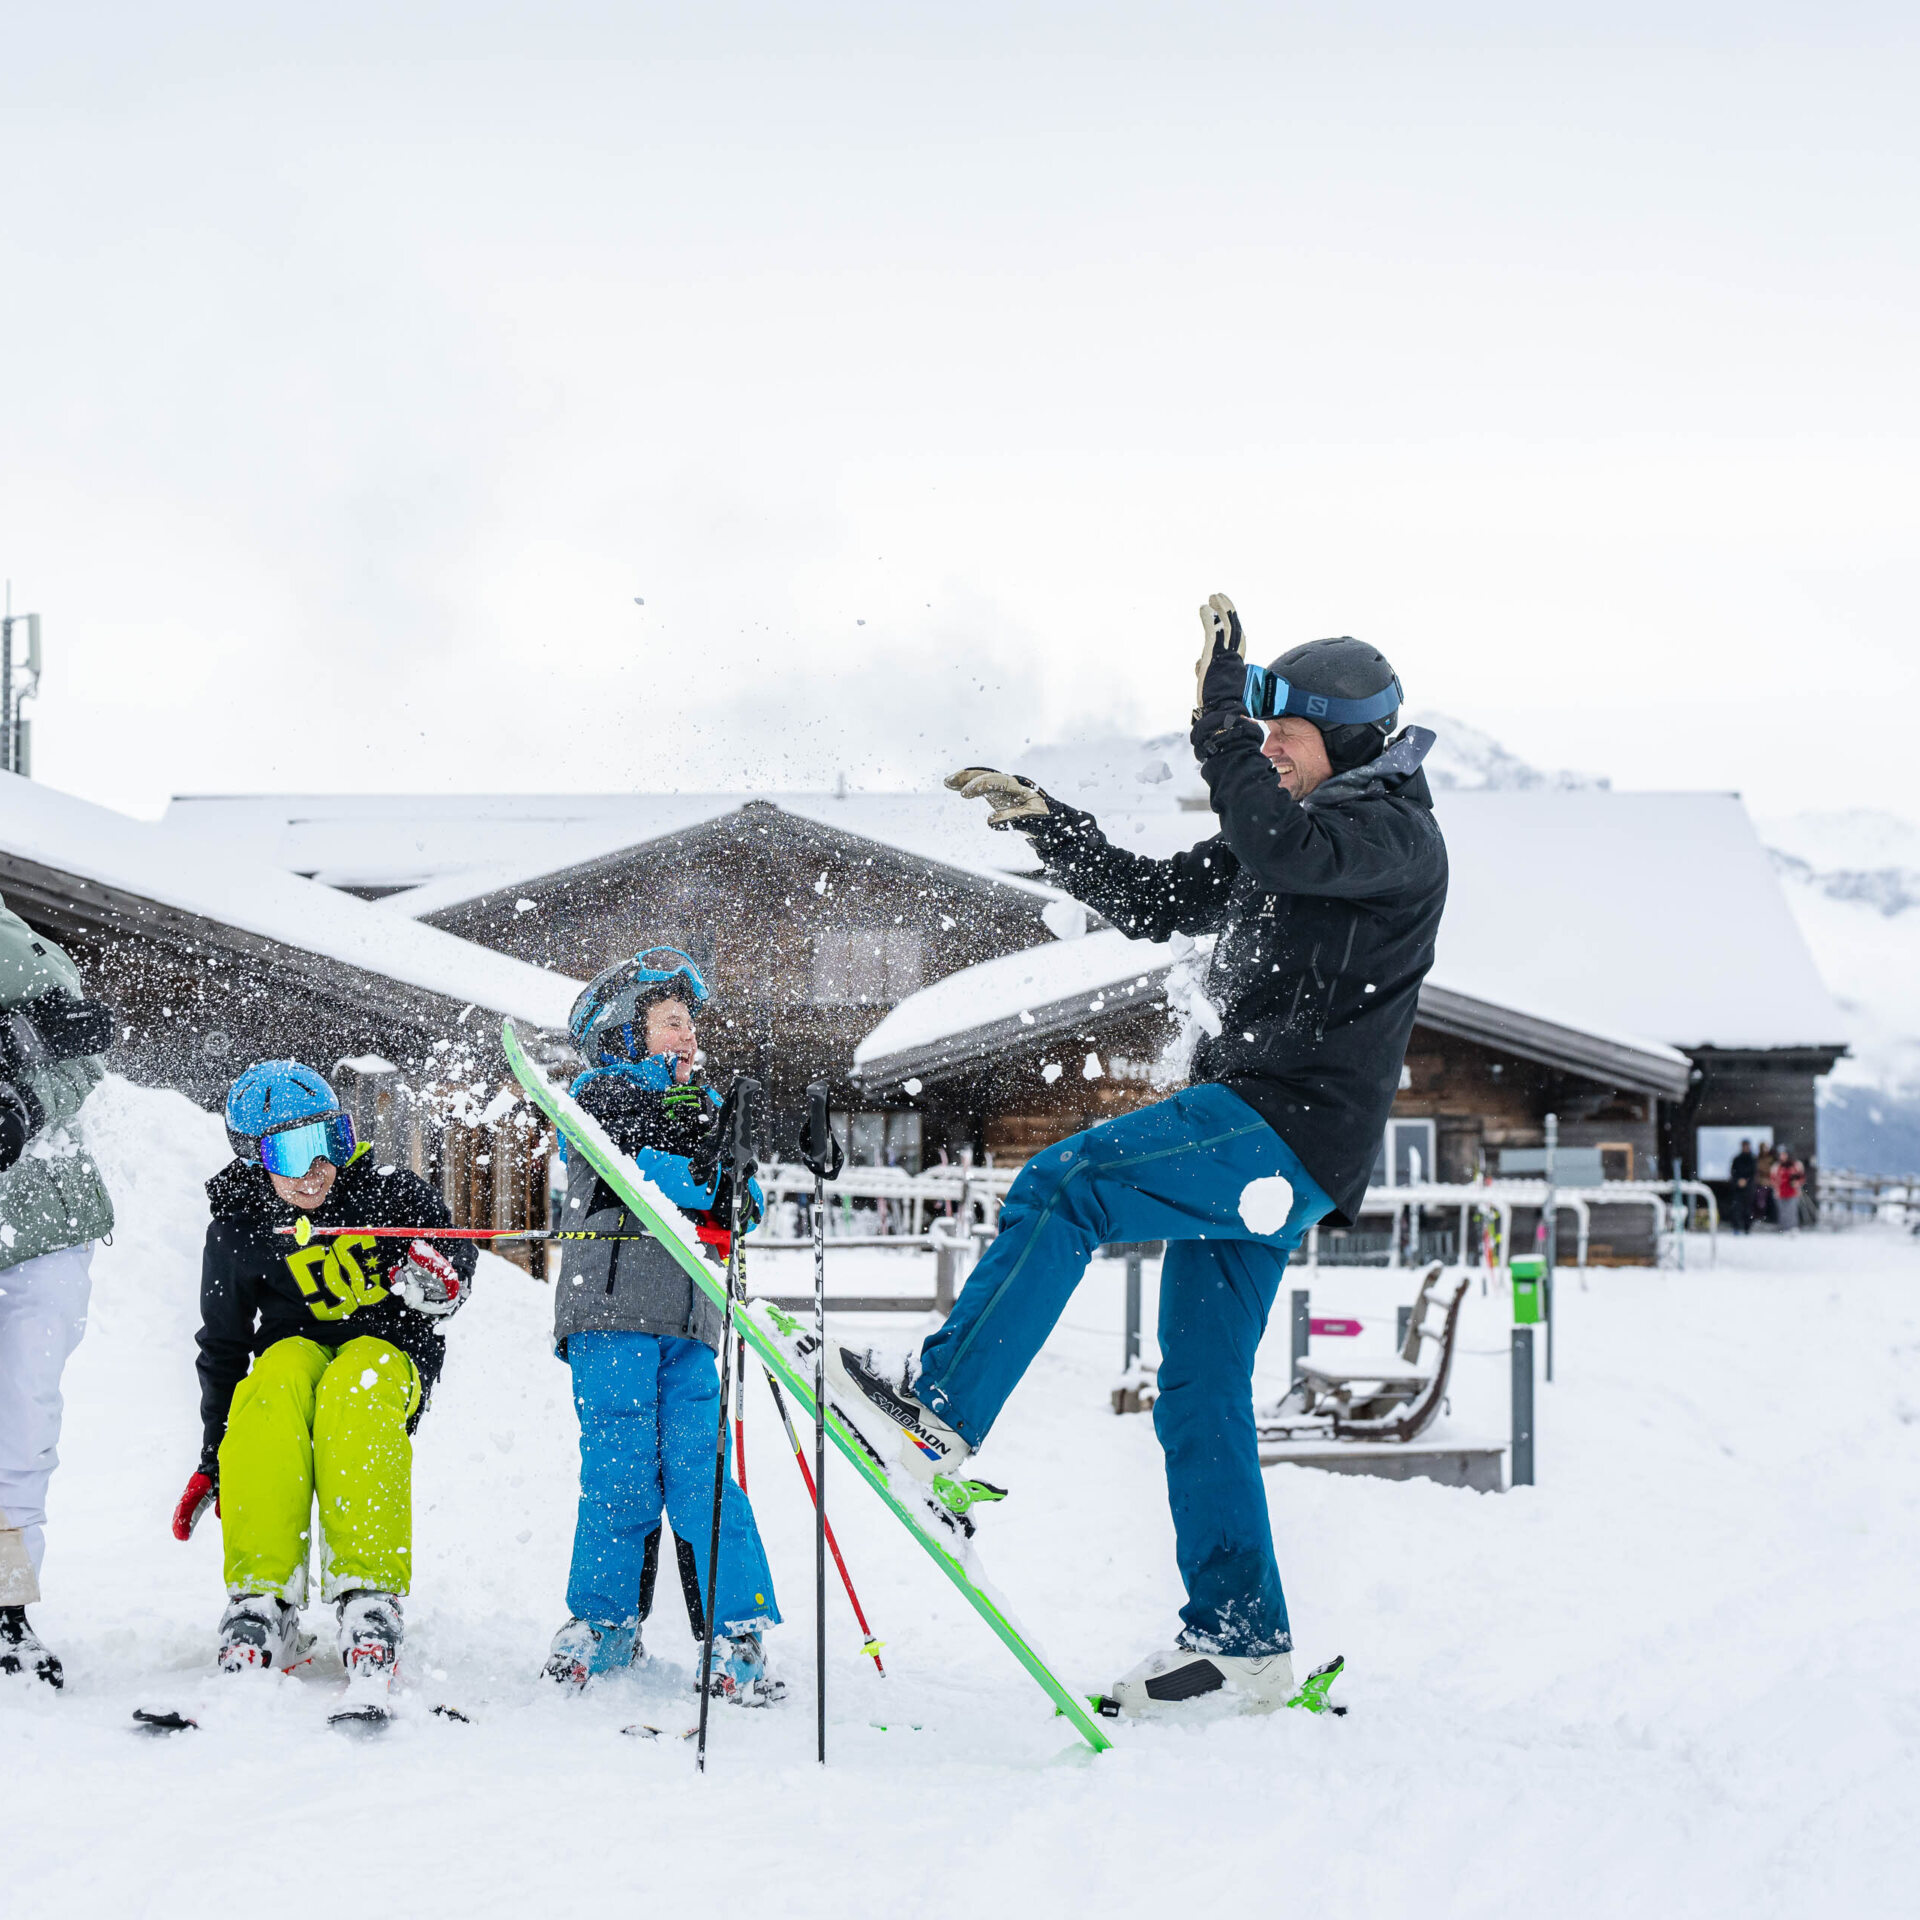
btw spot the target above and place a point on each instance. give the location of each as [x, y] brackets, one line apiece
[1397, 770]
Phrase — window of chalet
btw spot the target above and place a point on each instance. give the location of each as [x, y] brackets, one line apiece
[866, 966]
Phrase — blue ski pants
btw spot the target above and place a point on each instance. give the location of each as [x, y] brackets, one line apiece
[649, 1406]
[1180, 1171]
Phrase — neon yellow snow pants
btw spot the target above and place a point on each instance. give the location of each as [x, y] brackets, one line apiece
[320, 1420]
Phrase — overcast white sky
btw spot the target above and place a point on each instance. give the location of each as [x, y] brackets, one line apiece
[359, 365]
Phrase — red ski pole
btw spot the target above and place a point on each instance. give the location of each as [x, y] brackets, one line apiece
[806, 1473]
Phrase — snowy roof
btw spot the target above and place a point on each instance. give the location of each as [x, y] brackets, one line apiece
[1582, 926]
[436, 851]
[215, 881]
[1050, 991]
[1654, 919]
[1649, 916]
[1034, 995]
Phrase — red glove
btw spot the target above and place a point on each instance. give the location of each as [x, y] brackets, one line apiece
[427, 1280]
[201, 1493]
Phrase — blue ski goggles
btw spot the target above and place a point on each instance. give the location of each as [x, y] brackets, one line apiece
[291, 1150]
[656, 965]
[1268, 697]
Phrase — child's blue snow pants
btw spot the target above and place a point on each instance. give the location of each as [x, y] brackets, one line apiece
[1174, 1171]
[648, 1408]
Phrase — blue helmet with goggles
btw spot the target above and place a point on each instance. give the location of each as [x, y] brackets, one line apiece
[284, 1116]
[1348, 689]
[609, 1020]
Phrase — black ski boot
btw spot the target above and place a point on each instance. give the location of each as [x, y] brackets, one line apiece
[23, 1651]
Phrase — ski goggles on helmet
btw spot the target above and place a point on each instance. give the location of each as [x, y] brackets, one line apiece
[1268, 696]
[291, 1150]
[609, 1016]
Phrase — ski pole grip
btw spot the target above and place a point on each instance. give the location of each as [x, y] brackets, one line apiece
[819, 1147]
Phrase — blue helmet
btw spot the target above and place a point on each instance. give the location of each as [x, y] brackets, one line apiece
[285, 1116]
[613, 1003]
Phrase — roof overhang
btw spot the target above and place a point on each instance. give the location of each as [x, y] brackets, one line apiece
[1640, 1068]
[955, 1054]
[1663, 1071]
[72, 906]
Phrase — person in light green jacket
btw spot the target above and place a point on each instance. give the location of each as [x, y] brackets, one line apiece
[53, 1206]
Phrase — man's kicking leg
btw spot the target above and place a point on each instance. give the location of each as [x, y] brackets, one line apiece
[1178, 1170]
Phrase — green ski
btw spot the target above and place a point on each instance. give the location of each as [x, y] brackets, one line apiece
[779, 1342]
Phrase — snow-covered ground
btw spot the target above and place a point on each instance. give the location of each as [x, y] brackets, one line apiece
[1675, 1678]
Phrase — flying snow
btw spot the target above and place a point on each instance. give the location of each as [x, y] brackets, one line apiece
[1265, 1204]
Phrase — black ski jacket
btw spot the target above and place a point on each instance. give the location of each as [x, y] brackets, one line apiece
[257, 1286]
[1326, 911]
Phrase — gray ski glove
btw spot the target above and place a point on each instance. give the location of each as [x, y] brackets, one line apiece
[1220, 676]
[1015, 802]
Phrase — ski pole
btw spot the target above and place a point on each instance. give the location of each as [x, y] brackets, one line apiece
[821, 1152]
[303, 1230]
[742, 1096]
[871, 1646]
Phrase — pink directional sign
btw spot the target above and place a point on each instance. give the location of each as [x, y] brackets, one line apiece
[1334, 1329]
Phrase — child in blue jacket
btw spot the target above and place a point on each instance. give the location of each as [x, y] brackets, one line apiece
[640, 1339]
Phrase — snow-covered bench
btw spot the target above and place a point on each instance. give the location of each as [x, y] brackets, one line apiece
[1371, 1398]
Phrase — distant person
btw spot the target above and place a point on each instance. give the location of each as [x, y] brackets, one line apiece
[53, 1207]
[316, 1362]
[1789, 1178]
[1741, 1173]
[1764, 1205]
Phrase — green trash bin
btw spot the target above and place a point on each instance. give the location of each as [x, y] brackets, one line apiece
[1529, 1288]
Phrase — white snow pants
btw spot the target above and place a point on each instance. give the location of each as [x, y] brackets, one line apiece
[43, 1313]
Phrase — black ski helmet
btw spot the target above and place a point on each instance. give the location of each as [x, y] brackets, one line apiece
[1348, 689]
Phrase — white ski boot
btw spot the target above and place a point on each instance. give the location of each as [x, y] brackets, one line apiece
[23, 1651]
[369, 1633]
[740, 1673]
[931, 1450]
[258, 1632]
[1166, 1682]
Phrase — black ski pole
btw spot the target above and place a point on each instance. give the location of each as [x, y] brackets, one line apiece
[736, 1156]
[821, 1152]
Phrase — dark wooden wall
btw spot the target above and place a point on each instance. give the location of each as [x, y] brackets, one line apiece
[747, 896]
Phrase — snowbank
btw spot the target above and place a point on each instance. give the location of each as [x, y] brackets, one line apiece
[214, 880]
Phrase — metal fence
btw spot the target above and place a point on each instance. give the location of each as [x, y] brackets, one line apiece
[1853, 1199]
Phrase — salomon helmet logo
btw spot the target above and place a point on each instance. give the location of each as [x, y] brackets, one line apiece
[1316, 705]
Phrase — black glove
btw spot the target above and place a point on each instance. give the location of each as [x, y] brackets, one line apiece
[51, 1028]
[1217, 730]
[673, 1119]
[20, 1118]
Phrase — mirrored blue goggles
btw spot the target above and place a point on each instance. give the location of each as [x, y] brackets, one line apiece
[657, 964]
[290, 1151]
[1268, 697]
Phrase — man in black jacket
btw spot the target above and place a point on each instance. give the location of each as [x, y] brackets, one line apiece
[318, 1352]
[1323, 889]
